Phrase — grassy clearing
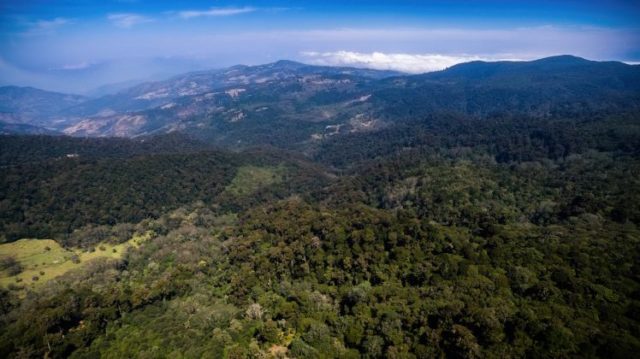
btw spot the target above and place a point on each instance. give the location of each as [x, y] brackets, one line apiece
[38, 256]
[251, 178]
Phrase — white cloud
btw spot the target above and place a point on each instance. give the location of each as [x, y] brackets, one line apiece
[76, 66]
[127, 20]
[51, 24]
[188, 14]
[41, 27]
[520, 43]
[411, 63]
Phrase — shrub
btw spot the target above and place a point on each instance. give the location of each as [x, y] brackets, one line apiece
[11, 265]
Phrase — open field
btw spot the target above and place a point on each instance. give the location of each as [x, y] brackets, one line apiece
[44, 259]
[251, 178]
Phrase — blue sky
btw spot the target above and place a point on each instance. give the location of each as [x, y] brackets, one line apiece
[75, 46]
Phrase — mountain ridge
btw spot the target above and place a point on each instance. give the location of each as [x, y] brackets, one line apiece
[235, 104]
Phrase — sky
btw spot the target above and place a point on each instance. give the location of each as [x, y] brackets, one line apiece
[79, 46]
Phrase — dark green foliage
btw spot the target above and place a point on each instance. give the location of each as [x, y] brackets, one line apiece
[24, 150]
[77, 200]
[65, 195]
[421, 270]
[10, 265]
[506, 138]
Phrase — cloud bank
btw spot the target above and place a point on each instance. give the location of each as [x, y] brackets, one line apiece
[410, 63]
[170, 47]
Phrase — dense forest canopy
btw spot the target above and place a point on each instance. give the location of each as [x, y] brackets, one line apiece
[495, 220]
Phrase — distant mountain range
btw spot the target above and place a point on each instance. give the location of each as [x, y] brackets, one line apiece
[33, 107]
[290, 104]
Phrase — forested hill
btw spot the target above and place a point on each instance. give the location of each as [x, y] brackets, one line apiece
[554, 86]
[488, 210]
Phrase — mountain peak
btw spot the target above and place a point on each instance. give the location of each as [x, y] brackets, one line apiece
[287, 64]
[562, 60]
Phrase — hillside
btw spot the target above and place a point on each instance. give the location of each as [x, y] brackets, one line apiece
[555, 86]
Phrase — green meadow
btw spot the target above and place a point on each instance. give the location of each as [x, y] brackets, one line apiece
[251, 178]
[42, 260]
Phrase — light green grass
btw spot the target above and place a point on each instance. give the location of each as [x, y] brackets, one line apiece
[46, 255]
[251, 178]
